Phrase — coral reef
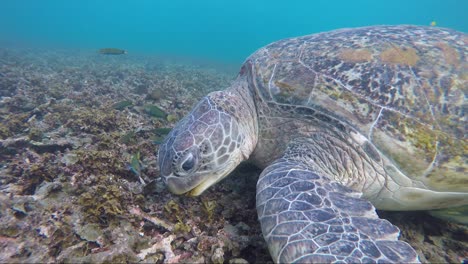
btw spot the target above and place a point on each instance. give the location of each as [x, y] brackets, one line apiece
[79, 180]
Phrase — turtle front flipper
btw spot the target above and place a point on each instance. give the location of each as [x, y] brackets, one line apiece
[309, 218]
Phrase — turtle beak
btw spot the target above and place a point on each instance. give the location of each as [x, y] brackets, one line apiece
[214, 177]
[200, 188]
[178, 185]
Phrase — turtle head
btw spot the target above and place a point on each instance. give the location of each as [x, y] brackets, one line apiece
[204, 147]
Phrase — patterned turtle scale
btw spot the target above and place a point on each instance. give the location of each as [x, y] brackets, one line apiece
[403, 88]
[342, 122]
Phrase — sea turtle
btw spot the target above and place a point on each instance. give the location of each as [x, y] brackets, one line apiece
[342, 122]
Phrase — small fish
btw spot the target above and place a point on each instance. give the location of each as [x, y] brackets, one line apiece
[433, 24]
[154, 111]
[135, 163]
[112, 51]
[135, 166]
[157, 139]
[171, 118]
[162, 131]
[160, 134]
[122, 104]
[128, 138]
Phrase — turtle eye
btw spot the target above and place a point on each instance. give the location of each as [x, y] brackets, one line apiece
[188, 163]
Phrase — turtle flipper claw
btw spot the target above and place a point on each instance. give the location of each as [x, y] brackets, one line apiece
[309, 218]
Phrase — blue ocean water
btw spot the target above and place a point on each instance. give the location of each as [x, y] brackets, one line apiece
[223, 30]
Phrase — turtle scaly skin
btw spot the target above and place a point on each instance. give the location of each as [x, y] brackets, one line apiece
[308, 218]
[343, 122]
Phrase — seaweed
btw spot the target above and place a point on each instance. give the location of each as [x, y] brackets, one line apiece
[94, 121]
[209, 208]
[174, 209]
[35, 134]
[99, 162]
[66, 139]
[13, 124]
[102, 203]
[33, 169]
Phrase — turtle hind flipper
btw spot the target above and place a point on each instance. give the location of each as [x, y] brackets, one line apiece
[309, 218]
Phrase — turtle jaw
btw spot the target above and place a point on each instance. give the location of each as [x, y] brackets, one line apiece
[196, 183]
[179, 186]
[207, 183]
[212, 178]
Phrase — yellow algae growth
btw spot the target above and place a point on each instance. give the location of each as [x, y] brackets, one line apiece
[397, 55]
[355, 55]
[450, 54]
[285, 87]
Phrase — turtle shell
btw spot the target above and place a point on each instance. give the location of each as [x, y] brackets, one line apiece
[402, 87]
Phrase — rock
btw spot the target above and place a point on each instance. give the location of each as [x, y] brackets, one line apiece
[89, 232]
[238, 261]
[218, 256]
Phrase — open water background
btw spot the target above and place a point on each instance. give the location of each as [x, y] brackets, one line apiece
[226, 31]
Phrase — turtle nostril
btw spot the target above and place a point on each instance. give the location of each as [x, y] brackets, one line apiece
[188, 163]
